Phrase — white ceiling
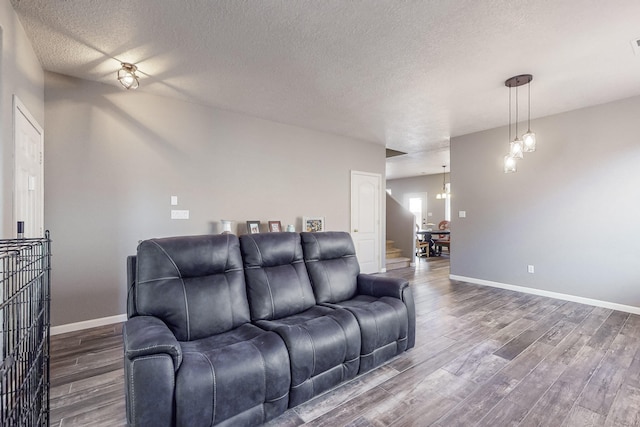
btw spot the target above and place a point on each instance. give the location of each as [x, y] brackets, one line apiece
[405, 74]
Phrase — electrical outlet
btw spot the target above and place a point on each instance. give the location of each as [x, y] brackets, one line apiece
[530, 269]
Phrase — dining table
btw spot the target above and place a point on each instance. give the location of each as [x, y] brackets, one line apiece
[428, 235]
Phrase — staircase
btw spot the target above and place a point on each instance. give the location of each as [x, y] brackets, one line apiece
[395, 260]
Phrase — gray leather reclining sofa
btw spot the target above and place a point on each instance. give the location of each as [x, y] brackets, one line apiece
[232, 332]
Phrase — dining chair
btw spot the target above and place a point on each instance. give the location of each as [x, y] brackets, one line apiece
[443, 240]
[422, 247]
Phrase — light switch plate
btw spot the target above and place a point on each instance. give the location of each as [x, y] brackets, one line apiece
[174, 200]
[179, 214]
[462, 214]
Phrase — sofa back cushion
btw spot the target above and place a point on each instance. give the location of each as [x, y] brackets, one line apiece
[332, 265]
[277, 280]
[194, 284]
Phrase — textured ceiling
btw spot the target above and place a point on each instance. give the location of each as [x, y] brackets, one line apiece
[405, 74]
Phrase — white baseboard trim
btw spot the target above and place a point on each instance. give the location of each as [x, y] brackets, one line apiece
[86, 324]
[383, 270]
[565, 297]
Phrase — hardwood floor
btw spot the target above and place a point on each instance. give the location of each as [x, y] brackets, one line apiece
[483, 356]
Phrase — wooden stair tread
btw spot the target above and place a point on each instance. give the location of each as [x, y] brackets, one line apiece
[397, 262]
[394, 253]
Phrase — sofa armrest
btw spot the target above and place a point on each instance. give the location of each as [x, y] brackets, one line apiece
[131, 282]
[147, 335]
[381, 286]
[152, 356]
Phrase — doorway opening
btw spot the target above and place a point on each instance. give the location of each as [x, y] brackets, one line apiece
[416, 203]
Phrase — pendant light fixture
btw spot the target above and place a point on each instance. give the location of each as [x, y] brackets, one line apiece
[527, 144]
[127, 76]
[444, 194]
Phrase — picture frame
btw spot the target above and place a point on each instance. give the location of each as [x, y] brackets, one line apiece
[253, 227]
[275, 226]
[313, 223]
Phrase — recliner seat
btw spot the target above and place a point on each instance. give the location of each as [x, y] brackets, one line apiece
[192, 357]
[383, 306]
[323, 342]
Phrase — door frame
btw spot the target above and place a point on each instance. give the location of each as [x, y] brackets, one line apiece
[20, 108]
[381, 219]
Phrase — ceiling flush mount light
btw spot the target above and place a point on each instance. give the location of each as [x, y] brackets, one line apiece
[444, 193]
[127, 76]
[527, 143]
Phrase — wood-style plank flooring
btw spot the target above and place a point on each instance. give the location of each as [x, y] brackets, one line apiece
[483, 357]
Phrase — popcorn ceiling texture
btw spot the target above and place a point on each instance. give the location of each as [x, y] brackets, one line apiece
[406, 74]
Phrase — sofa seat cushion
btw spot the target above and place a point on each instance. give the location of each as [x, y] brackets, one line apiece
[383, 326]
[240, 377]
[324, 349]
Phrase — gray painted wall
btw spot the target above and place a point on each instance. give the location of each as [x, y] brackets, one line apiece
[20, 74]
[400, 227]
[571, 210]
[431, 184]
[114, 158]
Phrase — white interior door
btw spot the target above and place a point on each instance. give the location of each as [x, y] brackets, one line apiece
[365, 219]
[29, 171]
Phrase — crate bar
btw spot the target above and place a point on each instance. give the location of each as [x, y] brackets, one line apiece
[25, 266]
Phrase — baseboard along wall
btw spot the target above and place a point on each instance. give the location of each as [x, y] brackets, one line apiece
[86, 324]
[565, 297]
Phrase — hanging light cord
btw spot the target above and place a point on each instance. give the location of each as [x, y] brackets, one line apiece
[509, 114]
[529, 112]
[516, 136]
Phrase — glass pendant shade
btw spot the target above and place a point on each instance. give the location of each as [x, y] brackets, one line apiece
[529, 141]
[516, 148]
[510, 164]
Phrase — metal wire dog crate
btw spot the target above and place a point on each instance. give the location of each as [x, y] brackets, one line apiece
[24, 331]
